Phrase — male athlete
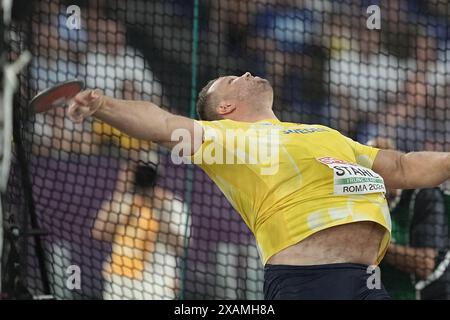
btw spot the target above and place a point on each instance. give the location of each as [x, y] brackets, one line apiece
[322, 218]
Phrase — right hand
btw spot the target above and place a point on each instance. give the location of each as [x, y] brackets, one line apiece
[85, 104]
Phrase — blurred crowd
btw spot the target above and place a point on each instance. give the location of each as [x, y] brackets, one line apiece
[325, 64]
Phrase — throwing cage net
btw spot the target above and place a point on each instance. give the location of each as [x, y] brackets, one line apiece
[90, 213]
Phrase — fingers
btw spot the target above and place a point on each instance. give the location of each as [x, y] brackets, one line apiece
[77, 113]
[84, 104]
[97, 101]
[95, 94]
[83, 98]
[88, 96]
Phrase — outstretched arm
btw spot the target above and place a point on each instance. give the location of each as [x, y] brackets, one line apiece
[139, 119]
[412, 170]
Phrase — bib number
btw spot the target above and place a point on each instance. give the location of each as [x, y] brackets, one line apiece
[351, 178]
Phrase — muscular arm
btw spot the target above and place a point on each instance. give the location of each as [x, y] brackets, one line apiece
[139, 119]
[412, 170]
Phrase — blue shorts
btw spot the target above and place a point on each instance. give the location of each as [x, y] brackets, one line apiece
[340, 281]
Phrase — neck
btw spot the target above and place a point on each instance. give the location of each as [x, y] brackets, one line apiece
[253, 117]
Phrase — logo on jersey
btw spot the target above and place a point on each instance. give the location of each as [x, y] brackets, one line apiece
[304, 131]
[350, 178]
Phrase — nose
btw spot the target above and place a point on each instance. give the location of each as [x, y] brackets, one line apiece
[247, 75]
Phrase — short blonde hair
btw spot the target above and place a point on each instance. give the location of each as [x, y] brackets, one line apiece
[205, 105]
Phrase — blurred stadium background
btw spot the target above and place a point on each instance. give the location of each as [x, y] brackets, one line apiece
[140, 227]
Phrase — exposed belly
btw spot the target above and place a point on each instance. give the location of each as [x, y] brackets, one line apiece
[356, 242]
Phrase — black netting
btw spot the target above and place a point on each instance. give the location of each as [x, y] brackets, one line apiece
[140, 227]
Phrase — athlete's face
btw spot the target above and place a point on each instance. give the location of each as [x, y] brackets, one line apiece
[245, 90]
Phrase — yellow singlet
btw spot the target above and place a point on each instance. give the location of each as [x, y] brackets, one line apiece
[315, 178]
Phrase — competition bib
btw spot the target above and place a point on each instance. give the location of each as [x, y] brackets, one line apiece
[352, 178]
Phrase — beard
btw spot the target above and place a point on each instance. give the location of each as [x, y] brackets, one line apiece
[256, 89]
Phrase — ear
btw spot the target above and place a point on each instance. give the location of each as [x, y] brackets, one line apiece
[225, 108]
